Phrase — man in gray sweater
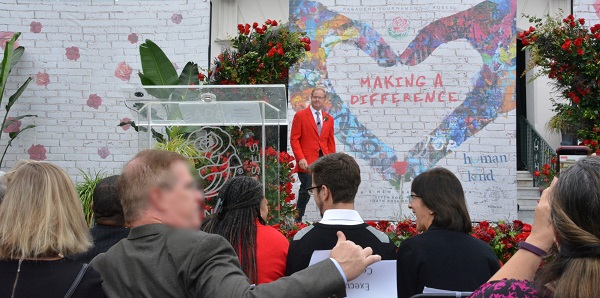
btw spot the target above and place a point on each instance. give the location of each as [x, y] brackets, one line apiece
[162, 257]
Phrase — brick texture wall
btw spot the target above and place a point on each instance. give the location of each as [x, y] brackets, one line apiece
[80, 55]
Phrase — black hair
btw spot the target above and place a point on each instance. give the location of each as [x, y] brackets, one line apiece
[107, 206]
[340, 173]
[235, 220]
[442, 193]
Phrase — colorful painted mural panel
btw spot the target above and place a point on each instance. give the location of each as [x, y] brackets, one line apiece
[415, 86]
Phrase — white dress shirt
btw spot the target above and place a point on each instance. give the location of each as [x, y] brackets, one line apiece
[346, 217]
[315, 115]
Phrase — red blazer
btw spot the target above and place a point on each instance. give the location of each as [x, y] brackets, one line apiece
[305, 139]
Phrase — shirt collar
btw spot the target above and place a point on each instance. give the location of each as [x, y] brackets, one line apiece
[146, 230]
[345, 217]
[313, 110]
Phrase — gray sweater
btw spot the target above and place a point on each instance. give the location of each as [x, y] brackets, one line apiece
[158, 261]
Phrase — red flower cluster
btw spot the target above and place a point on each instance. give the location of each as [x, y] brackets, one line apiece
[275, 49]
[306, 41]
[524, 36]
[503, 238]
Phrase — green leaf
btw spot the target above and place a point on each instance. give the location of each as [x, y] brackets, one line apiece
[14, 97]
[156, 66]
[17, 54]
[15, 119]
[6, 63]
[158, 93]
[189, 76]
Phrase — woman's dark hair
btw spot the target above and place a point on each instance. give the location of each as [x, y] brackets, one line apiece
[442, 193]
[575, 212]
[235, 220]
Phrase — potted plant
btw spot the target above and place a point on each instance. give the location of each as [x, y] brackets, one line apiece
[568, 52]
[559, 125]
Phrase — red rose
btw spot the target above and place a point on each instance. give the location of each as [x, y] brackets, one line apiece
[576, 99]
[578, 41]
[214, 169]
[573, 24]
[581, 21]
[255, 25]
[526, 228]
[371, 223]
[280, 51]
[536, 173]
[597, 35]
[594, 143]
[210, 178]
[521, 35]
[247, 31]
[598, 152]
[531, 29]
[268, 22]
[526, 32]
[307, 47]
[400, 167]
[566, 44]
[259, 31]
[201, 76]
[241, 27]
[525, 41]
[484, 224]
[264, 27]
[546, 172]
[546, 167]
[274, 23]
[247, 26]
[271, 53]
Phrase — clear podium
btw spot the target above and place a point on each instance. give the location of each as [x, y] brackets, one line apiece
[225, 131]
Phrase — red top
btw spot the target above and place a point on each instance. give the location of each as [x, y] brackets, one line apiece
[271, 253]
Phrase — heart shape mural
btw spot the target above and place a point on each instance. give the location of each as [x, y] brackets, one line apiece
[485, 92]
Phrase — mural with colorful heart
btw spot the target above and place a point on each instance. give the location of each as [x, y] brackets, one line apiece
[416, 85]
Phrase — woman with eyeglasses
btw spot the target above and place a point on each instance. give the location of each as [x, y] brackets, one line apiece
[240, 217]
[445, 256]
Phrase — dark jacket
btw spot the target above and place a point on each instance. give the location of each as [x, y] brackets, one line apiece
[444, 259]
[158, 261]
[104, 238]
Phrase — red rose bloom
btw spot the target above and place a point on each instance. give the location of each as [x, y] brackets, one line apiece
[201, 76]
[536, 173]
[567, 44]
[274, 23]
[581, 21]
[578, 41]
[268, 22]
[525, 41]
[255, 25]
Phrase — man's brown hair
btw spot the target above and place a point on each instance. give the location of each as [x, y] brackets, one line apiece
[312, 93]
[340, 173]
[149, 168]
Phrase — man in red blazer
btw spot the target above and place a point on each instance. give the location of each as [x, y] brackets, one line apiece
[311, 138]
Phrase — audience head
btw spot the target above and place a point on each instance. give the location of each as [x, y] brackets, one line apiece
[336, 178]
[437, 198]
[106, 204]
[241, 202]
[41, 215]
[317, 98]
[157, 187]
[575, 213]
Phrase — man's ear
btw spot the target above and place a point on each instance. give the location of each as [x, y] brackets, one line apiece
[155, 198]
[326, 193]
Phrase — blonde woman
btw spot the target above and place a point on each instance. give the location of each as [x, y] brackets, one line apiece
[41, 221]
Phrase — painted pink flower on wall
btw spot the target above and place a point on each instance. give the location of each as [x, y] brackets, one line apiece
[176, 18]
[14, 126]
[72, 53]
[42, 79]
[94, 101]
[5, 37]
[123, 71]
[127, 126]
[37, 152]
[35, 27]
[133, 38]
[103, 152]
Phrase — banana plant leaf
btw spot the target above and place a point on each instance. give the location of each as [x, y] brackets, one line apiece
[6, 63]
[157, 69]
[13, 98]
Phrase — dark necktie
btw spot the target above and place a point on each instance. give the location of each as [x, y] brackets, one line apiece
[319, 126]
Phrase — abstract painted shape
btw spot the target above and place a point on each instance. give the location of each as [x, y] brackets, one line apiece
[133, 38]
[94, 101]
[35, 27]
[13, 126]
[123, 71]
[5, 37]
[103, 152]
[176, 18]
[37, 152]
[126, 126]
[72, 53]
[42, 79]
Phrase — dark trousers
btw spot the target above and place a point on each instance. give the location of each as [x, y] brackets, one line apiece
[303, 195]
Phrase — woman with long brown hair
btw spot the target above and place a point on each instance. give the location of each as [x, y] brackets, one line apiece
[41, 221]
[568, 215]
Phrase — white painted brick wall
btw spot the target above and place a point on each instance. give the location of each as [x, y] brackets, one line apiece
[72, 132]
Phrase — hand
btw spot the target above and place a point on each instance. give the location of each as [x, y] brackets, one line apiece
[303, 164]
[352, 258]
[542, 232]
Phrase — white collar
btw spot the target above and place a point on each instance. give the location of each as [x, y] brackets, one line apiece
[345, 217]
[314, 111]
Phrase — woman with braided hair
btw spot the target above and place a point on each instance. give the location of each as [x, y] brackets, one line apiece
[240, 217]
[568, 215]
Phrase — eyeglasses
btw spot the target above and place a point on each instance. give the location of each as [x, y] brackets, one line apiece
[411, 198]
[319, 97]
[314, 187]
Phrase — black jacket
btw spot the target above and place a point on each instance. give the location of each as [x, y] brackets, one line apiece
[444, 259]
